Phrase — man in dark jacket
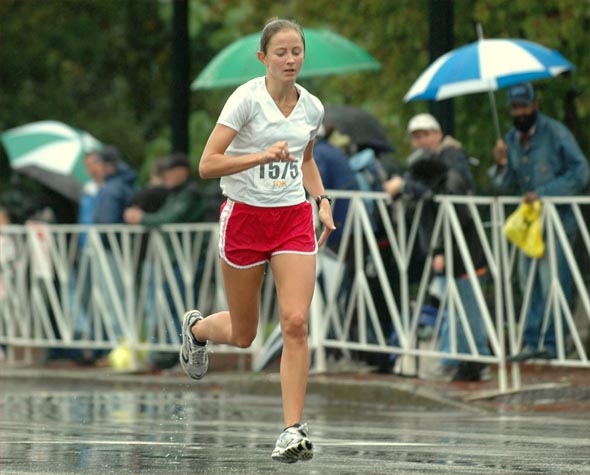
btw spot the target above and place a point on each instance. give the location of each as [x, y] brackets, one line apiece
[440, 165]
[183, 204]
[541, 158]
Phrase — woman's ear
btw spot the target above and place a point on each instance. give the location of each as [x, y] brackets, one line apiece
[261, 57]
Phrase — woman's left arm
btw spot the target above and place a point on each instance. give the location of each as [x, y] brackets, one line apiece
[312, 182]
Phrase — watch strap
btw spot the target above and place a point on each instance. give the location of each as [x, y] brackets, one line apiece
[319, 199]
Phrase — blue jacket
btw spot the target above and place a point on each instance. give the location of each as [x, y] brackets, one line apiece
[86, 208]
[336, 174]
[553, 164]
[114, 196]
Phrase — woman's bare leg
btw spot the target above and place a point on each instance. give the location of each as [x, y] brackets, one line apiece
[238, 325]
[294, 276]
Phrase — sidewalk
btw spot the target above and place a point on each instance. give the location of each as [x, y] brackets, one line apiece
[544, 388]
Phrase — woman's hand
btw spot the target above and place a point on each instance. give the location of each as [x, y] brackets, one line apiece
[277, 152]
[325, 215]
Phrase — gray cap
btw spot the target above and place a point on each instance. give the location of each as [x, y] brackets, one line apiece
[109, 154]
[521, 94]
[174, 161]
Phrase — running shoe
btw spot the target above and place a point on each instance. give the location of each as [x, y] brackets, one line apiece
[293, 445]
[193, 354]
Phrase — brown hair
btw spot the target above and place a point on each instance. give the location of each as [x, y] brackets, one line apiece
[273, 26]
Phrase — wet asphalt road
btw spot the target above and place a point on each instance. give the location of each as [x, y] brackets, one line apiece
[81, 427]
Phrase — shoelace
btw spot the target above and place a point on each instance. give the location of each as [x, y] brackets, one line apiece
[199, 353]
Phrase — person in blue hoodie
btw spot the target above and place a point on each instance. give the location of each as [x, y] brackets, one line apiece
[80, 283]
[120, 182]
[336, 174]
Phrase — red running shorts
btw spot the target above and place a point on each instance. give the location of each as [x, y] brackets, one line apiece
[251, 235]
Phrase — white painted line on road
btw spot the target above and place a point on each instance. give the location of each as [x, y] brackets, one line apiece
[323, 443]
[96, 442]
[368, 443]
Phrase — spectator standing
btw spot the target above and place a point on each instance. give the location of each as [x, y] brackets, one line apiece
[183, 204]
[80, 274]
[336, 174]
[262, 148]
[111, 201]
[93, 165]
[149, 199]
[540, 157]
[152, 196]
[440, 165]
[361, 171]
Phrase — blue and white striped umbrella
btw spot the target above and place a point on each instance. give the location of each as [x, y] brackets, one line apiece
[486, 65]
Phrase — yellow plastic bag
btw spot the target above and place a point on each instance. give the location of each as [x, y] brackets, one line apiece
[523, 228]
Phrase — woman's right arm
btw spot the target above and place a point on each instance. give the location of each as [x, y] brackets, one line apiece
[214, 163]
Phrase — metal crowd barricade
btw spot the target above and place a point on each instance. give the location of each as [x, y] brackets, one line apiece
[571, 319]
[402, 314]
[127, 285]
[498, 303]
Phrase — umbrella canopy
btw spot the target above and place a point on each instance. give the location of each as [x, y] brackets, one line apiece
[486, 65]
[326, 53]
[364, 129]
[52, 153]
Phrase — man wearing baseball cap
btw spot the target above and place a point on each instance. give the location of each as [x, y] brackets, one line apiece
[540, 157]
[440, 165]
[427, 138]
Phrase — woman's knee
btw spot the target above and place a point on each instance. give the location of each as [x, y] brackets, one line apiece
[294, 326]
[244, 340]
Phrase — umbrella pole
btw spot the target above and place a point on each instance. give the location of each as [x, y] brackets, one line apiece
[494, 113]
[479, 30]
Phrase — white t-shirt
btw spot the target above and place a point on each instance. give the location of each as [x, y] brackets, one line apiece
[251, 111]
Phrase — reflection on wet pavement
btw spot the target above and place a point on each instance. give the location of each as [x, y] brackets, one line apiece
[53, 427]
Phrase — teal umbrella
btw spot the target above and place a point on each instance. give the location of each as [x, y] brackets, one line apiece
[52, 153]
[326, 53]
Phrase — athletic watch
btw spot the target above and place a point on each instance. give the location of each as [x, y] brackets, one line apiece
[319, 199]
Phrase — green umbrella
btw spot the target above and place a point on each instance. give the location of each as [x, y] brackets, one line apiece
[52, 153]
[326, 53]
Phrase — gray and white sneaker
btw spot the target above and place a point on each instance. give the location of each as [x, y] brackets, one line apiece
[293, 445]
[193, 354]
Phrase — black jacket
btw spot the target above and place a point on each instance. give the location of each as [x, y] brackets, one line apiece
[444, 172]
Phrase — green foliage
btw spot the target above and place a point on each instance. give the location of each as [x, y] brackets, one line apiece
[99, 66]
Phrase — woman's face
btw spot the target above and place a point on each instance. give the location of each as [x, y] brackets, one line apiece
[284, 57]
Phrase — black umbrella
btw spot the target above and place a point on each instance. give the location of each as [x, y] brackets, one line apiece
[364, 129]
